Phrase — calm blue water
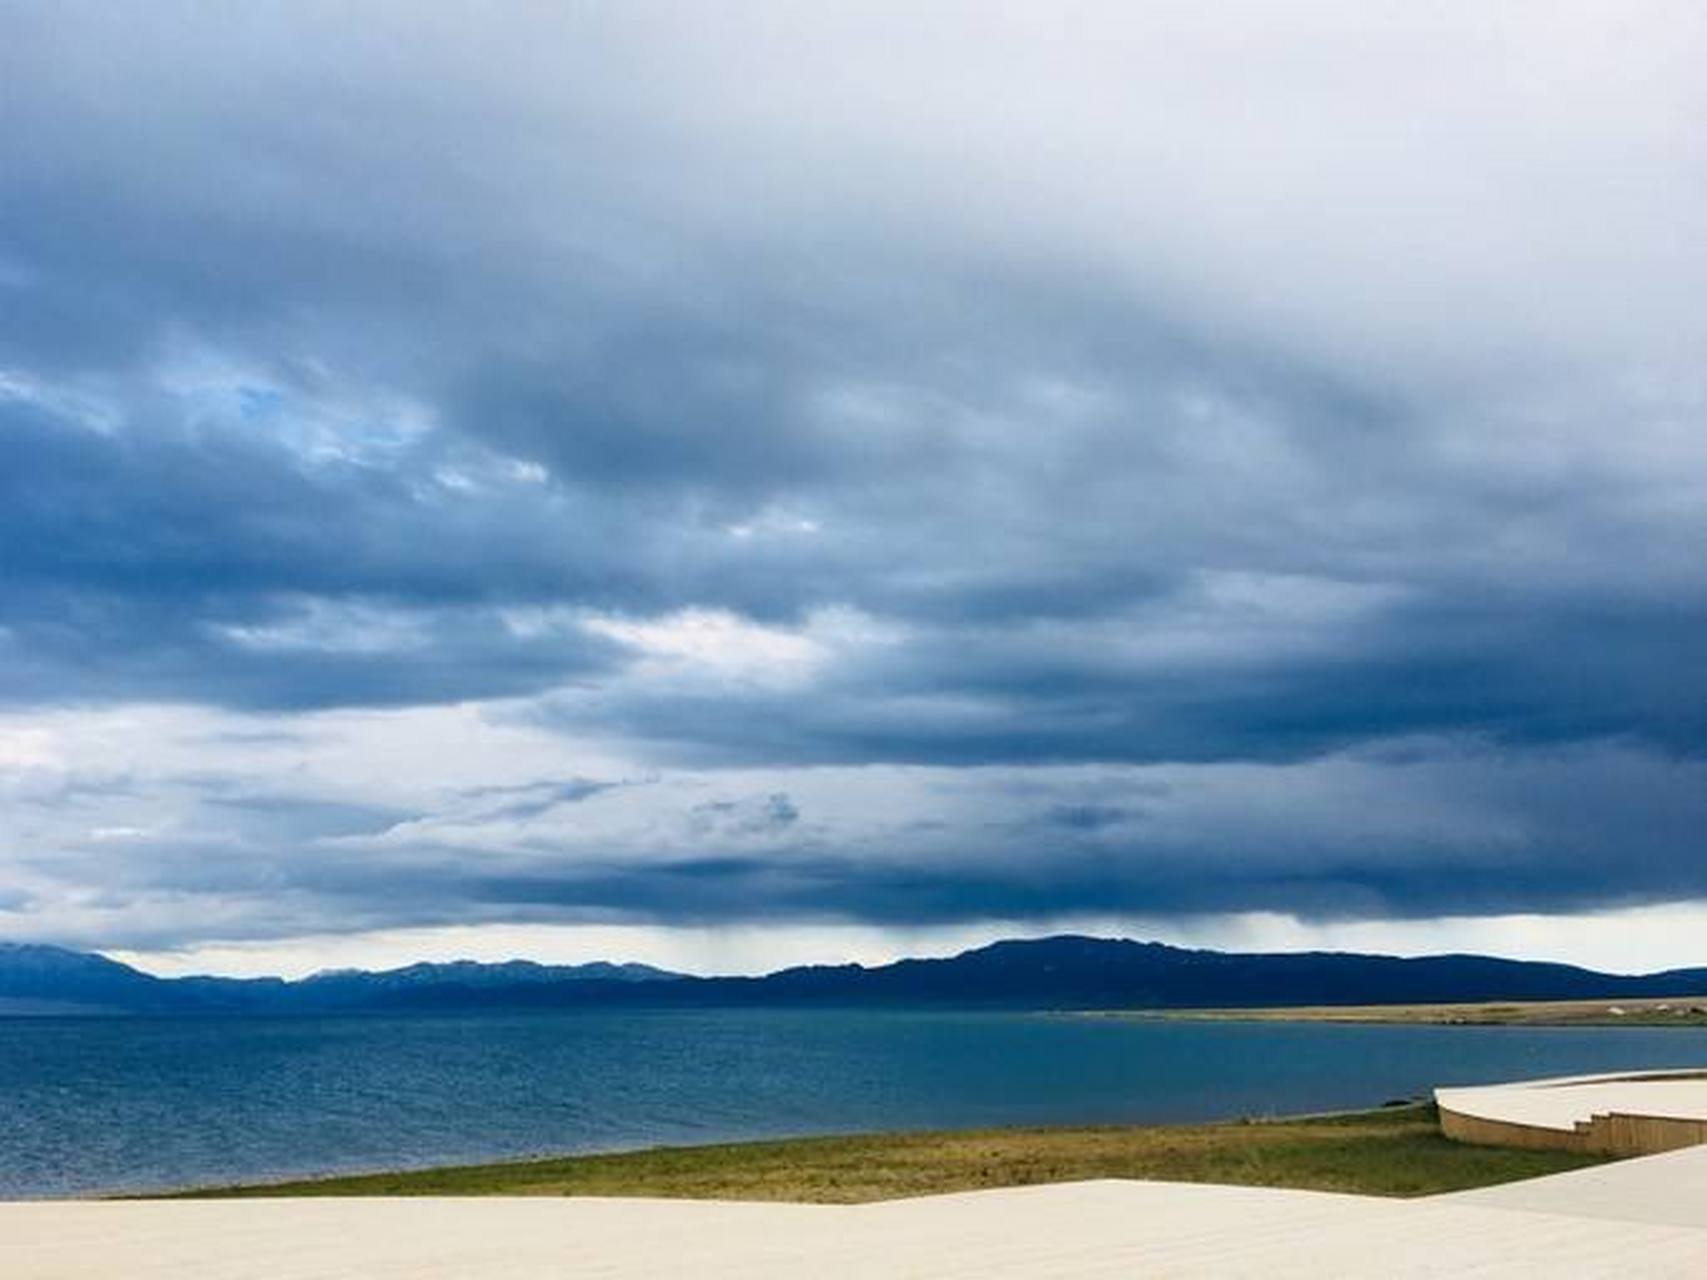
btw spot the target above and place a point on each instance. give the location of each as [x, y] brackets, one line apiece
[99, 1104]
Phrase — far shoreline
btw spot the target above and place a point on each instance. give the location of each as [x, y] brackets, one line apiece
[1673, 1011]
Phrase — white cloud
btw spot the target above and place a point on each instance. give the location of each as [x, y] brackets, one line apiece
[692, 646]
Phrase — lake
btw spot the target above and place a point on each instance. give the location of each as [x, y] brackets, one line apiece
[104, 1104]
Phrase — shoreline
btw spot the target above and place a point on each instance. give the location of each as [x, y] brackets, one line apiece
[1390, 1151]
[1673, 1011]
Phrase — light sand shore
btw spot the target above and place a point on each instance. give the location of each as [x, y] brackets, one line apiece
[1672, 1011]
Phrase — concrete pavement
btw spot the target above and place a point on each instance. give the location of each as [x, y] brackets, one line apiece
[1612, 1223]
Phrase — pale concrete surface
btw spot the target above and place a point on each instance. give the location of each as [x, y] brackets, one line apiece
[1091, 1230]
[1561, 1102]
[1634, 1218]
[1670, 1189]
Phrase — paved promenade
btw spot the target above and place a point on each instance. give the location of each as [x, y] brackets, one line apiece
[1564, 1101]
[1637, 1218]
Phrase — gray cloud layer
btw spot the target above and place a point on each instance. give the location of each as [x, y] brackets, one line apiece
[977, 388]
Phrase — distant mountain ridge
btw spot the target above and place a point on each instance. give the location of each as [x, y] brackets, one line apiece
[1066, 972]
[39, 979]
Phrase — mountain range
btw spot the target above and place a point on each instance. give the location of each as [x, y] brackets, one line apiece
[1048, 973]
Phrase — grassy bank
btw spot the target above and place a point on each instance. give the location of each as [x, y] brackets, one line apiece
[1678, 1011]
[1397, 1151]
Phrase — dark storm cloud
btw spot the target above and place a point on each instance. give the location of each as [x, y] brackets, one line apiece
[1123, 401]
[162, 566]
[1552, 837]
[1539, 670]
[722, 891]
[1454, 830]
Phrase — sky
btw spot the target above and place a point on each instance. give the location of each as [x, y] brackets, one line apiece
[735, 485]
